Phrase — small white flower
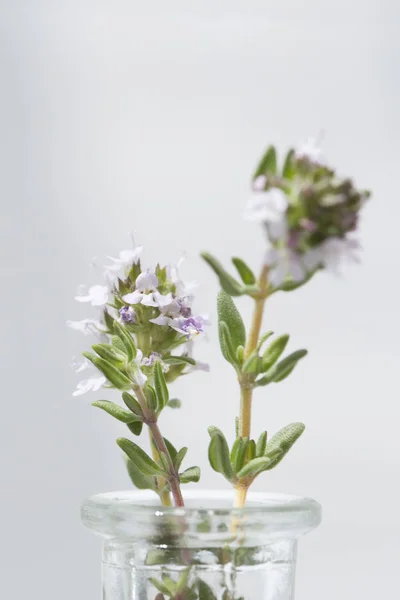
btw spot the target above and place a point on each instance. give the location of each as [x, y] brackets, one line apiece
[285, 264]
[138, 375]
[267, 207]
[331, 253]
[259, 183]
[146, 281]
[80, 366]
[92, 384]
[126, 258]
[148, 300]
[97, 295]
[86, 326]
[310, 150]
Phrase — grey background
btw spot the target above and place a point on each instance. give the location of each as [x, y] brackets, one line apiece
[150, 116]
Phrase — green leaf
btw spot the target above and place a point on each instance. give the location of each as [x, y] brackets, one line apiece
[205, 592]
[267, 165]
[142, 482]
[242, 453]
[229, 314]
[251, 450]
[244, 271]
[218, 453]
[126, 339]
[160, 586]
[261, 444]
[252, 364]
[227, 282]
[172, 451]
[191, 475]
[114, 376]
[136, 427]
[237, 454]
[160, 387]
[183, 580]
[288, 166]
[225, 342]
[109, 321]
[179, 458]
[132, 404]
[273, 352]
[263, 338]
[254, 467]
[281, 370]
[116, 411]
[118, 345]
[164, 461]
[174, 403]
[177, 360]
[151, 398]
[143, 462]
[240, 354]
[280, 444]
[110, 354]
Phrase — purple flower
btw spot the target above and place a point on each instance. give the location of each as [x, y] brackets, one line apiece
[149, 362]
[127, 314]
[192, 326]
[184, 307]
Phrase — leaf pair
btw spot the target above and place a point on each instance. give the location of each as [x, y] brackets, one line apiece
[247, 458]
[282, 369]
[274, 451]
[228, 283]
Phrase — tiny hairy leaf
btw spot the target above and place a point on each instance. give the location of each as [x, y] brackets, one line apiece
[116, 411]
[180, 457]
[273, 352]
[132, 404]
[152, 401]
[252, 364]
[160, 387]
[218, 453]
[288, 166]
[261, 444]
[280, 444]
[282, 369]
[110, 354]
[142, 482]
[126, 339]
[191, 475]
[118, 345]
[225, 341]
[267, 165]
[244, 271]
[174, 403]
[114, 376]
[227, 282]
[177, 360]
[205, 592]
[136, 427]
[143, 462]
[229, 314]
[172, 451]
[254, 467]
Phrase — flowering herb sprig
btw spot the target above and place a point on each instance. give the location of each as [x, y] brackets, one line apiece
[309, 215]
[146, 330]
[147, 326]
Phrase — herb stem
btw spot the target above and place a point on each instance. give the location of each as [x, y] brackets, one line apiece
[246, 386]
[151, 421]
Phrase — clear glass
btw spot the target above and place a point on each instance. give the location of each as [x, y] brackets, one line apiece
[206, 551]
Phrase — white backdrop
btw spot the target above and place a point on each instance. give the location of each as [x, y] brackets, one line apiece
[119, 115]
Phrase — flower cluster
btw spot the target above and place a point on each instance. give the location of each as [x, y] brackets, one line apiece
[309, 214]
[154, 306]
